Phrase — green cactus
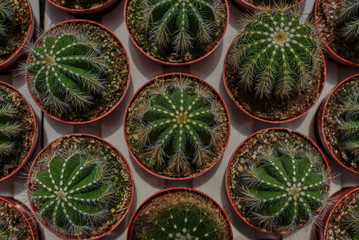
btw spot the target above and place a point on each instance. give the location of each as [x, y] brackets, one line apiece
[351, 225]
[4, 232]
[285, 189]
[349, 22]
[179, 124]
[182, 25]
[275, 56]
[68, 73]
[74, 191]
[7, 14]
[182, 217]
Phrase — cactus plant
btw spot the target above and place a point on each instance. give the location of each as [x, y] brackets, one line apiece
[275, 56]
[7, 14]
[178, 126]
[180, 215]
[4, 233]
[349, 22]
[351, 224]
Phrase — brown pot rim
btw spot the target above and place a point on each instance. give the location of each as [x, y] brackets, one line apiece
[93, 11]
[245, 5]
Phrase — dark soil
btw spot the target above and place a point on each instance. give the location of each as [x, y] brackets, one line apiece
[138, 33]
[79, 4]
[14, 221]
[19, 30]
[28, 137]
[122, 179]
[328, 22]
[118, 75]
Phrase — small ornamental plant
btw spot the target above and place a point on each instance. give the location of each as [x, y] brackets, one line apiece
[5, 234]
[16, 27]
[77, 71]
[338, 26]
[278, 181]
[177, 126]
[274, 67]
[342, 222]
[179, 214]
[338, 123]
[80, 187]
[176, 31]
[18, 130]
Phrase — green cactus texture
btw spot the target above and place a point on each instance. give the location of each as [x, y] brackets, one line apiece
[182, 25]
[349, 22]
[351, 224]
[179, 125]
[183, 218]
[74, 192]
[7, 14]
[275, 56]
[4, 233]
[10, 127]
[68, 73]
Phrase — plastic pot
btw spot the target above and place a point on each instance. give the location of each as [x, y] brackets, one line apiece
[89, 12]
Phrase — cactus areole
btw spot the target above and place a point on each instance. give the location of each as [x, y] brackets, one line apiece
[177, 126]
[77, 71]
[80, 187]
[278, 181]
[180, 213]
[176, 32]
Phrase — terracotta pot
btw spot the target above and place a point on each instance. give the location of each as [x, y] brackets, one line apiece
[319, 125]
[20, 53]
[336, 198]
[34, 209]
[310, 141]
[89, 12]
[128, 66]
[170, 63]
[329, 52]
[26, 213]
[246, 6]
[322, 83]
[33, 139]
[145, 167]
[131, 226]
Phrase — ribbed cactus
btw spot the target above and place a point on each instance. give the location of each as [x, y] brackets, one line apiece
[68, 73]
[275, 56]
[74, 191]
[351, 225]
[5, 234]
[10, 127]
[7, 14]
[349, 22]
[286, 189]
[183, 217]
[182, 24]
[178, 125]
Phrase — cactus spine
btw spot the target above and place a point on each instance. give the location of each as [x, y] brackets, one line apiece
[4, 233]
[182, 24]
[351, 224]
[275, 56]
[7, 14]
[349, 22]
[74, 192]
[68, 73]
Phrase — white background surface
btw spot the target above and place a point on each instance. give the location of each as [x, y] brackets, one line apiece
[111, 127]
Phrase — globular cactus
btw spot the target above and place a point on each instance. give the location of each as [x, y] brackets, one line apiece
[7, 14]
[348, 28]
[179, 124]
[5, 234]
[275, 56]
[286, 189]
[182, 217]
[74, 191]
[182, 24]
[68, 73]
[351, 225]
[10, 127]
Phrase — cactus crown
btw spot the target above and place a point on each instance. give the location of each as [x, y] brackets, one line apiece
[286, 188]
[349, 22]
[4, 233]
[275, 56]
[68, 73]
[183, 217]
[348, 126]
[74, 192]
[182, 24]
[179, 123]
[7, 14]
[10, 127]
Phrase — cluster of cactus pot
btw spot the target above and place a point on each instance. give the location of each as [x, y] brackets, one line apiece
[7, 14]
[348, 28]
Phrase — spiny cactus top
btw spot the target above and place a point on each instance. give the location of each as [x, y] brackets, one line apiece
[7, 14]
[5, 234]
[177, 126]
[181, 215]
[349, 22]
[182, 24]
[275, 56]
[351, 224]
